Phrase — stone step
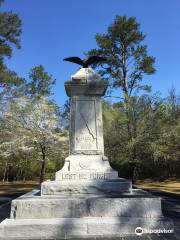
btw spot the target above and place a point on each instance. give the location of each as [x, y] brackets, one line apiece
[86, 187]
[90, 206]
[77, 227]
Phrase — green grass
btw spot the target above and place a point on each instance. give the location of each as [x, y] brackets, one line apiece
[8, 188]
[169, 185]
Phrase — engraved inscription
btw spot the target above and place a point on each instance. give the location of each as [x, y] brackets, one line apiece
[69, 176]
[83, 138]
[85, 125]
[86, 176]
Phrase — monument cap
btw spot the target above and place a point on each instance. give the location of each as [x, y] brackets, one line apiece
[85, 75]
[86, 82]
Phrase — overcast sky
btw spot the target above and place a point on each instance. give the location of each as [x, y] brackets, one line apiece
[55, 29]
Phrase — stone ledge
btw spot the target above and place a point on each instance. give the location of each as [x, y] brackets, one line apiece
[94, 88]
[86, 187]
[27, 229]
[88, 206]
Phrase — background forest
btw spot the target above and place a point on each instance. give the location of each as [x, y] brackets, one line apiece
[141, 129]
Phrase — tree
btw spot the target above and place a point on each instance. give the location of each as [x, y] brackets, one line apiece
[127, 58]
[40, 84]
[10, 31]
[10, 82]
[34, 129]
[156, 138]
[66, 114]
[127, 62]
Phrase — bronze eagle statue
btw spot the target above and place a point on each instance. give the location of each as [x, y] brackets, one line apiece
[85, 63]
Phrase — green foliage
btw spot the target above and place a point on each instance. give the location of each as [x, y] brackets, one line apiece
[127, 58]
[11, 84]
[66, 114]
[154, 145]
[10, 31]
[40, 83]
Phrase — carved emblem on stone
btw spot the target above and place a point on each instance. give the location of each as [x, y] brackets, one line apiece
[84, 164]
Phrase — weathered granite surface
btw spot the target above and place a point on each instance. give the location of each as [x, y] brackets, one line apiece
[136, 204]
[86, 167]
[64, 228]
[86, 187]
[86, 133]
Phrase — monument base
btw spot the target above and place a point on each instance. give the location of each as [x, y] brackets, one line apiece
[86, 200]
[71, 216]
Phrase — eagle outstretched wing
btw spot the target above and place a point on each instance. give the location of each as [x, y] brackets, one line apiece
[76, 60]
[85, 63]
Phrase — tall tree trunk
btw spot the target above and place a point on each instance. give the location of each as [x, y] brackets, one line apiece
[125, 91]
[128, 108]
[43, 165]
[130, 130]
[5, 172]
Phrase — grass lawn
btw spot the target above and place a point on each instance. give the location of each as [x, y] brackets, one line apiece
[8, 188]
[169, 185]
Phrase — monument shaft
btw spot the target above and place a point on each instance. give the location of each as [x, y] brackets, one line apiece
[86, 127]
[86, 160]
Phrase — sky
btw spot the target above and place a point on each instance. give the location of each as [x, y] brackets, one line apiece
[55, 29]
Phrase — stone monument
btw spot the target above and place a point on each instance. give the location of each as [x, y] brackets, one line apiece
[86, 169]
[87, 198]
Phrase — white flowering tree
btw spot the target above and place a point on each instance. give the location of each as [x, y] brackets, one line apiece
[32, 130]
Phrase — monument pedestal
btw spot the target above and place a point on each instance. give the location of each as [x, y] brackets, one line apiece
[87, 199]
[84, 174]
[82, 216]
